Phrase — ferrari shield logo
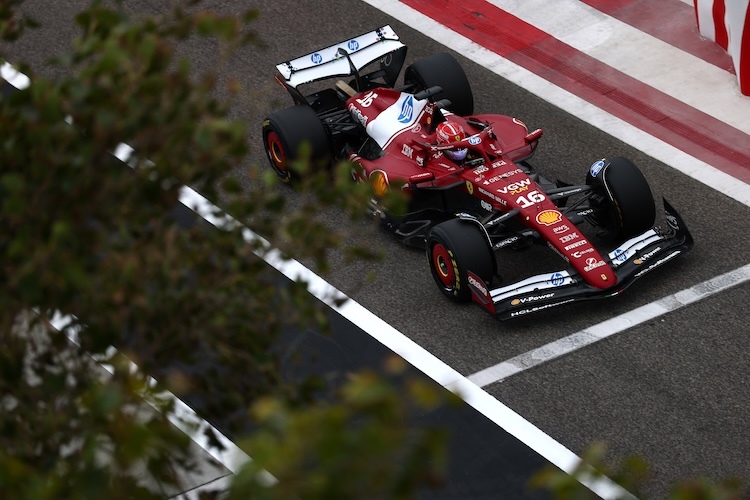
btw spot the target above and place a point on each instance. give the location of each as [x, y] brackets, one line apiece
[470, 187]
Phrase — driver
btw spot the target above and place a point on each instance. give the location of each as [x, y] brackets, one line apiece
[449, 132]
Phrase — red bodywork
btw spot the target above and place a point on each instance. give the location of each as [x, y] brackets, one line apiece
[413, 161]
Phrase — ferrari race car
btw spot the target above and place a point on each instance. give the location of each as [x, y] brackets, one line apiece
[472, 191]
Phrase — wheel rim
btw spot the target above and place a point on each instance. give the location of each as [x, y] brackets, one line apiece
[276, 154]
[443, 266]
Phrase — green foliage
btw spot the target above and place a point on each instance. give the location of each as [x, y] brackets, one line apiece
[365, 428]
[632, 473]
[87, 236]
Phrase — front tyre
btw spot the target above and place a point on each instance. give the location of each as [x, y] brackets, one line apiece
[286, 131]
[453, 248]
[624, 203]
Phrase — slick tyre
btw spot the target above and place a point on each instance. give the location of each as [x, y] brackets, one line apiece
[453, 248]
[444, 71]
[295, 134]
[625, 206]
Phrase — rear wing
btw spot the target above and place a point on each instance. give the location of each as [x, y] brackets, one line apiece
[363, 50]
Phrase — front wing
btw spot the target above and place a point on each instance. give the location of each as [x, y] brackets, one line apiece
[631, 260]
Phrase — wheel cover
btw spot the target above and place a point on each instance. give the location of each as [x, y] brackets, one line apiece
[443, 266]
[276, 153]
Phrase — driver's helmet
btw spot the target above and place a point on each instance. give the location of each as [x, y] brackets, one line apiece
[449, 132]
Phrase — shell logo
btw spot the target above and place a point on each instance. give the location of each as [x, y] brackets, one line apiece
[470, 187]
[379, 183]
[548, 217]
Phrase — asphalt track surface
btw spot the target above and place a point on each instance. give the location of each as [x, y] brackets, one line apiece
[672, 389]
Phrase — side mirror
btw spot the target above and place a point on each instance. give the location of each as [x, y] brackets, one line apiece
[534, 136]
[421, 177]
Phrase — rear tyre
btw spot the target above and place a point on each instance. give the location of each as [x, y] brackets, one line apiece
[453, 248]
[443, 70]
[625, 204]
[284, 134]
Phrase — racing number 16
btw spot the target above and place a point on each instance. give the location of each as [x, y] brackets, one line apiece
[530, 199]
[366, 101]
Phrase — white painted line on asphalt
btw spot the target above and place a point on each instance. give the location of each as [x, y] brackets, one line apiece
[620, 129]
[416, 355]
[502, 415]
[644, 57]
[182, 416]
[13, 76]
[610, 327]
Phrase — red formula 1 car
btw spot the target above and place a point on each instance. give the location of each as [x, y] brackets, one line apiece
[472, 193]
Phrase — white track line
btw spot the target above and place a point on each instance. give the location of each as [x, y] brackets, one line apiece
[13, 76]
[652, 146]
[181, 416]
[487, 405]
[496, 411]
[643, 57]
[502, 415]
[618, 324]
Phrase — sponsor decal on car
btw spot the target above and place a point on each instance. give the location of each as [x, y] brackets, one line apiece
[658, 263]
[516, 187]
[407, 151]
[491, 195]
[474, 140]
[620, 255]
[470, 187]
[643, 258]
[576, 245]
[532, 298]
[498, 163]
[557, 279]
[487, 206]
[592, 263]
[522, 312]
[316, 58]
[480, 170]
[597, 167]
[568, 193]
[580, 253]
[353, 45]
[511, 173]
[503, 176]
[506, 242]
[568, 237]
[560, 229]
[548, 217]
[479, 287]
[407, 111]
[357, 114]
